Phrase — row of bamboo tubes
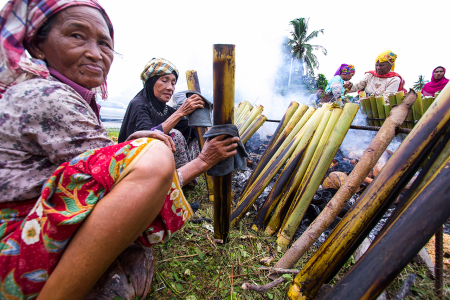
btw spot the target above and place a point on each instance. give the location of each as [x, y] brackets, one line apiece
[248, 119]
[375, 108]
[305, 143]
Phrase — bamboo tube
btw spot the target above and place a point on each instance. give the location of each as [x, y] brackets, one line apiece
[300, 117]
[399, 242]
[239, 108]
[363, 106]
[246, 106]
[392, 100]
[367, 162]
[297, 145]
[427, 101]
[292, 169]
[254, 114]
[194, 85]
[223, 83]
[399, 98]
[373, 105]
[369, 111]
[253, 128]
[245, 117]
[251, 124]
[244, 113]
[314, 174]
[418, 107]
[394, 175]
[387, 110]
[286, 199]
[380, 108]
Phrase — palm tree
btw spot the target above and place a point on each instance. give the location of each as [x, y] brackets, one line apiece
[418, 85]
[300, 47]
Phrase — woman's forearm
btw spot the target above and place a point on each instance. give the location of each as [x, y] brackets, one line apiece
[171, 122]
[193, 169]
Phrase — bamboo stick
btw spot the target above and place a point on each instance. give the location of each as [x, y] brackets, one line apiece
[369, 111]
[297, 145]
[381, 109]
[253, 128]
[394, 175]
[418, 107]
[300, 117]
[286, 175]
[399, 242]
[315, 173]
[373, 105]
[254, 114]
[289, 191]
[194, 85]
[223, 83]
[367, 162]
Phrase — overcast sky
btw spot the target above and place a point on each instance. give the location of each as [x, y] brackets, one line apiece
[355, 32]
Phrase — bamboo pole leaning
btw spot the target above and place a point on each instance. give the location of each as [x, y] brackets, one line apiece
[253, 115]
[389, 182]
[253, 128]
[367, 162]
[315, 173]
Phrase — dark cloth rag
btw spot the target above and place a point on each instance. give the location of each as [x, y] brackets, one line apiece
[200, 117]
[235, 162]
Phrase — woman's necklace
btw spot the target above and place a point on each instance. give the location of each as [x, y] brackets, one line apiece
[161, 114]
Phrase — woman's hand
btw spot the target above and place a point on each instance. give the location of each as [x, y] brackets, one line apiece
[217, 149]
[348, 85]
[191, 104]
[156, 134]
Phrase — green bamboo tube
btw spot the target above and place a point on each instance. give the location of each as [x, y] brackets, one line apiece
[253, 128]
[317, 169]
[241, 109]
[244, 118]
[369, 111]
[223, 88]
[282, 201]
[246, 106]
[373, 105]
[251, 124]
[363, 106]
[399, 99]
[245, 111]
[194, 85]
[392, 100]
[418, 107]
[387, 110]
[380, 108]
[426, 102]
[236, 109]
[254, 114]
[292, 149]
[291, 117]
[397, 171]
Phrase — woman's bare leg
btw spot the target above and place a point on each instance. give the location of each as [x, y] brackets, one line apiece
[115, 222]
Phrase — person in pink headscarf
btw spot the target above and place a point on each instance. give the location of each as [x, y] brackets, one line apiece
[437, 83]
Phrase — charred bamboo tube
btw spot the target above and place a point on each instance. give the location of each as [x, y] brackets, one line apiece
[194, 85]
[373, 105]
[296, 146]
[369, 111]
[394, 175]
[223, 84]
[255, 112]
[380, 107]
[427, 101]
[392, 100]
[289, 191]
[253, 128]
[300, 117]
[418, 107]
[399, 242]
[251, 124]
[315, 173]
[367, 162]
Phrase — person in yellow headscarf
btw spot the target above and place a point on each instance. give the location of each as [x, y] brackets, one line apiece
[383, 81]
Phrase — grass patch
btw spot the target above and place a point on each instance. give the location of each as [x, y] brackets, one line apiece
[113, 133]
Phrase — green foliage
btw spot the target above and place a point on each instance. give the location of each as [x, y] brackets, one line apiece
[322, 81]
[419, 84]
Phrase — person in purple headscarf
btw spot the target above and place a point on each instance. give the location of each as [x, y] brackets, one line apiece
[335, 89]
[437, 83]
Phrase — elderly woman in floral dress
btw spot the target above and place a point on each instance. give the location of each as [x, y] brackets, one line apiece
[71, 200]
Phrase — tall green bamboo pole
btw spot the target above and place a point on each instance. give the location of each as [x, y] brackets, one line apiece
[285, 199]
[389, 182]
[223, 87]
[194, 85]
[398, 243]
[296, 146]
[315, 173]
[373, 105]
[380, 108]
[290, 170]
[253, 128]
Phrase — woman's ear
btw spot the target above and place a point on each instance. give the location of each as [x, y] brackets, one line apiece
[35, 50]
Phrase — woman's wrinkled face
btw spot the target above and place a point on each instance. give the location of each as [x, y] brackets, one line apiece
[347, 77]
[438, 73]
[383, 68]
[79, 46]
[165, 87]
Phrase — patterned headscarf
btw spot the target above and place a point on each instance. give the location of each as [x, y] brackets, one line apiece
[158, 67]
[19, 22]
[388, 56]
[345, 69]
